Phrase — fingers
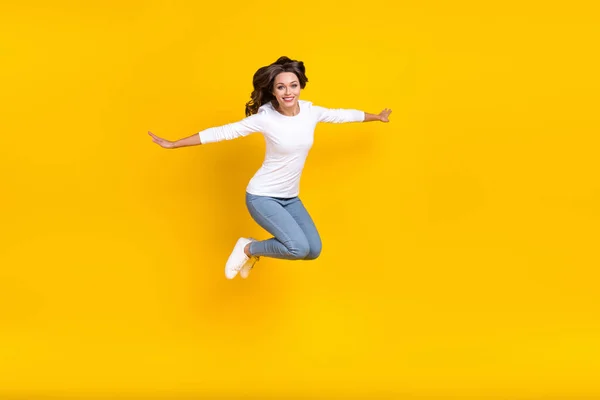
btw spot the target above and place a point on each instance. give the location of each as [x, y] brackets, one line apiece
[156, 139]
[154, 136]
[385, 113]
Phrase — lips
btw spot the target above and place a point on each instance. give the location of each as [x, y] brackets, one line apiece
[288, 99]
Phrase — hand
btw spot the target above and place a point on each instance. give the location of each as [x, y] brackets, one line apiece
[161, 142]
[383, 116]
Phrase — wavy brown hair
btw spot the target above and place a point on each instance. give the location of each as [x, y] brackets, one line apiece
[264, 79]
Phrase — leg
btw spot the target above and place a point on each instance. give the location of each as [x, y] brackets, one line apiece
[302, 217]
[289, 241]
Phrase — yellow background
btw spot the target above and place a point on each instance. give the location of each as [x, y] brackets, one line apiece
[460, 251]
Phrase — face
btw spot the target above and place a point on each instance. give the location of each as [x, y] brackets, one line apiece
[286, 90]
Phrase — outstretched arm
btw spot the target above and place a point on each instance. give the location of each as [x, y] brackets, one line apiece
[167, 144]
[340, 115]
[248, 125]
[382, 116]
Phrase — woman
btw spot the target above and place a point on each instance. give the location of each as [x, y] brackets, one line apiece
[288, 125]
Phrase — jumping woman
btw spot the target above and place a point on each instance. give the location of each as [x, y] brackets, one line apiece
[287, 124]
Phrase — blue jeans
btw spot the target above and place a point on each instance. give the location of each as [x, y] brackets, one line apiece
[295, 234]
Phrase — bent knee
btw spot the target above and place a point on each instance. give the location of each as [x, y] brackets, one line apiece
[299, 251]
[313, 253]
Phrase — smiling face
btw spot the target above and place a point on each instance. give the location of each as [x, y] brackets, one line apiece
[286, 90]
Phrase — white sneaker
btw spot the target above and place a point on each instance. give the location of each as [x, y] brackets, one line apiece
[248, 265]
[237, 259]
[245, 271]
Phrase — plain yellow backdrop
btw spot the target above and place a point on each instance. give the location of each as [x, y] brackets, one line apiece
[460, 240]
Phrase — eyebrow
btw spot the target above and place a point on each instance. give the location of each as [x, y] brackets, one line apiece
[281, 83]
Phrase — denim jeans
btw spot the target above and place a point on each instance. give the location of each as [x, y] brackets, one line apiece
[295, 234]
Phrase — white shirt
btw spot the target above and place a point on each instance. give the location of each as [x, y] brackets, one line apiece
[288, 141]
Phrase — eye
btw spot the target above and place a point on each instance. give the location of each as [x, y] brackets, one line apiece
[294, 85]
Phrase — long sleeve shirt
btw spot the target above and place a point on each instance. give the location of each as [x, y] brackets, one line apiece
[288, 141]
